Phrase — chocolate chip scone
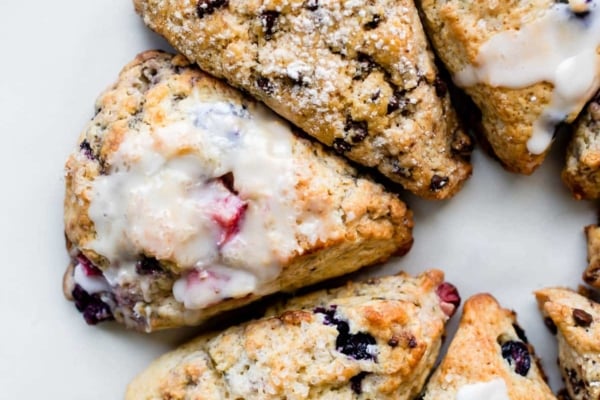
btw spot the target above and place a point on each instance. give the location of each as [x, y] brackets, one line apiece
[358, 77]
[528, 65]
[592, 273]
[576, 322]
[489, 358]
[184, 199]
[582, 169]
[373, 340]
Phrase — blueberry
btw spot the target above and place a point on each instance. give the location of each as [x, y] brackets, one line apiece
[341, 146]
[94, 310]
[356, 382]
[438, 183]
[265, 85]
[86, 149]
[520, 333]
[358, 130]
[207, 7]
[268, 19]
[517, 355]
[374, 22]
[148, 266]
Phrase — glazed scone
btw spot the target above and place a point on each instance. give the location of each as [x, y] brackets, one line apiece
[373, 340]
[592, 273]
[184, 199]
[358, 77]
[528, 65]
[489, 358]
[576, 322]
[582, 170]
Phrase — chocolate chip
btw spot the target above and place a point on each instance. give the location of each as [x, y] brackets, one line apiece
[550, 325]
[357, 130]
[312, 5]
[401, 170]
[265, 85]
[86, 148]
[582, 318]
[440, 87]
[148, 266]
[398, 102]
[394, 341]
[412, 342]
[365, 65]
[438, 183]
[341, 146]
[268, 19]
[376, 95]
[207, 7]
[520, 333]
[517, 355]
[374, 23]
[356, 382]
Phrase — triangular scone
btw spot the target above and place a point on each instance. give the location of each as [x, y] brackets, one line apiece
[373, 340]
[489, 358]
[582, 170]
[576, 321]
[528, 65]
[357, 76]
[185, 199]
[592, 273]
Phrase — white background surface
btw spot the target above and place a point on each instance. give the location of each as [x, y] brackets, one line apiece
[503, 233]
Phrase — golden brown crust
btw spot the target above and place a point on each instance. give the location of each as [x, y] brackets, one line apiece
[374, 224]
[457, 30]
[358, 78]
[475, 355]
[297, 350]
[577, 322]
[592, 273]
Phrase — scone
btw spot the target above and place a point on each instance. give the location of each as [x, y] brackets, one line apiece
[576, 322]
[489, 358]
[528, 65]
[184, 199]
[373, 340]
[582, 170]
[592, 273]
[356, 75]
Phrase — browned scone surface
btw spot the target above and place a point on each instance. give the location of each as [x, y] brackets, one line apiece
[458, 29]
[582, 170]
[157, 117]
[489, 348]
[575, 320]
[358, 77]
[372, 340]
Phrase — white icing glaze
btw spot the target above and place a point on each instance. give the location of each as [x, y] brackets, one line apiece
[90, 283]
[557, 47]
[492, 390]
[162, 198]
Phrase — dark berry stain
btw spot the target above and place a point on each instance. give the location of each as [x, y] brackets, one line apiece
[341, 146]
[374, 22]
[517, 355]
[520, 333]
[358, 130]
[355, 345]
[207, 7]
[356, 382]
[86, 149]
[440, 87]
[582, 318]
[268, 20]
[265, 85]
[94, 310]
[550, 325]
[438, 183]
[148, 266]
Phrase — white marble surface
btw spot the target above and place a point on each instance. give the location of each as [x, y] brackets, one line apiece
[503, 233]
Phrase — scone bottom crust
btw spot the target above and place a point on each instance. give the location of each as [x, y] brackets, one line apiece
[183, 194]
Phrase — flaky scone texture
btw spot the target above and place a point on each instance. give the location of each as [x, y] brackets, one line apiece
[458, 29]
[329, 221]
[357, 76]
[577, 322]
[582, 170]
[489, 346]
[372, 340]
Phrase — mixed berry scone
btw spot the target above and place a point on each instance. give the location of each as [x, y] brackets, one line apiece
[489, 358]
[582, 169]
[373, 340]
[356, 75]
[529, 65]
[575, 320]
[592, 273]
[184, 198]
